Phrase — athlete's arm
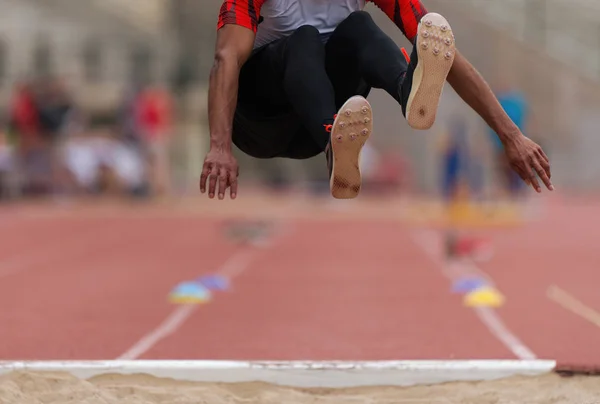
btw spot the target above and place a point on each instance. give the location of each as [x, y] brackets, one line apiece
[234, 45]
[525, 156]
[474, 90]
[238, 20]
[463, 77]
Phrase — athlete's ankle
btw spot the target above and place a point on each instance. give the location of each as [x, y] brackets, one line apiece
[403, 91]
[328, 124]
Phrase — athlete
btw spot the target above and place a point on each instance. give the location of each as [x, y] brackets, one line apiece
[290, 79]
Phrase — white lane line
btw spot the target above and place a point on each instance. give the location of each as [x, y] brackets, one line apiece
[569, 302]
[233, 267]
[426, 240]
[171, 324]
[494, 323]
[433, 247]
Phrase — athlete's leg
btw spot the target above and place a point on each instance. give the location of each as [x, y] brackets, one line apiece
[306, 83]
[297, 81]
[359, 51]
[288, 77]
[359, 48]
[264, 122]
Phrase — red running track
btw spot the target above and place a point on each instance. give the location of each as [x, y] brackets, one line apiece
[91, 287]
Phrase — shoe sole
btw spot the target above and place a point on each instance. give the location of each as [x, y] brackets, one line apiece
[436, 51]
[351, 130]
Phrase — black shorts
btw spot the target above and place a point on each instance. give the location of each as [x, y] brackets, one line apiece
[265, 124]
[281, 135]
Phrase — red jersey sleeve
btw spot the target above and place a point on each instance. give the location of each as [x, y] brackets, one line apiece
[245, 13]
[406, 14]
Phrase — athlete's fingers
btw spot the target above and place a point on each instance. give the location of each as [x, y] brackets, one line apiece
[223, 174]
[519, 170]
[541, 152]
[523, 170]
[212, 181]
[233, 186]
[541, 171]
[544, 162]
[204, 176]
[532, 177]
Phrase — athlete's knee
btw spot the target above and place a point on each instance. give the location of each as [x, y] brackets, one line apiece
[305, 40]
[305, 33]
[359, 19]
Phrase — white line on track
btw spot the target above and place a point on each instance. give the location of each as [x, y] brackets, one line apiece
[428, 242]
[233, 267]
[569, 302]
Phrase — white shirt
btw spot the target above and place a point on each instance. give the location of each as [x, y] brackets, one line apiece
[283, 17]
[279, 18]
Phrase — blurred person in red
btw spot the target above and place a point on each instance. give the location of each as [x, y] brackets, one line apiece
[25, 135]
[154, 109]
[24, 118]
[393, 173]
[290, 76]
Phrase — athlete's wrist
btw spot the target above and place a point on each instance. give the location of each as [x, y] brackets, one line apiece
[509, 134]
[221, 145]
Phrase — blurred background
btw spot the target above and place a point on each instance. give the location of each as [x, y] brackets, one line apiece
[107, 100]
[104, 95]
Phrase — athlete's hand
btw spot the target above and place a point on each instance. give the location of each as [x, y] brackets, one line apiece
[527, 158]
[220, 167]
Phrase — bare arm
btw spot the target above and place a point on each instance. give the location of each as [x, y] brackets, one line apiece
[463, 77]
[524, 155]
[233, 48]
[474, 90]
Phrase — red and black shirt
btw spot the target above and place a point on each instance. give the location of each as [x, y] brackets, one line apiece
[282, 17]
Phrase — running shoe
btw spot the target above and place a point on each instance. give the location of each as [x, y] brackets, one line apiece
[350, 131]
[428, 67]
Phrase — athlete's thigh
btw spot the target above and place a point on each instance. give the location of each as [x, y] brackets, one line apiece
[302, 146]
[261, 81]
[263, 137]
[343, 71]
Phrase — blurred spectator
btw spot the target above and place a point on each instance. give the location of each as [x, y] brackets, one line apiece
[55, 109]
[392, 174]
[54, 105]
[154, 108]
[99, 163]
[516, 107]
[477, 163]
[385, 173]
[24, 126]
[24, 118]
[129, 125]
[6, 165]
[455, 159]
[369, 162]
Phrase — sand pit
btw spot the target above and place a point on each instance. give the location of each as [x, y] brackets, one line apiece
[63, 388]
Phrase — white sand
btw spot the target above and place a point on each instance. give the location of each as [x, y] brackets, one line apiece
[60, 388]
